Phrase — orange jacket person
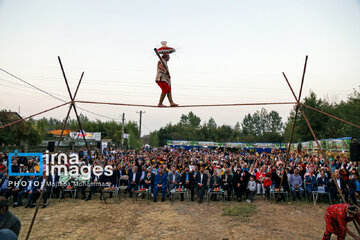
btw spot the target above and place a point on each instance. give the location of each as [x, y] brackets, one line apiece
[163, 78]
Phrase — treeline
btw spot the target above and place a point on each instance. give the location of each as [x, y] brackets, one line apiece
[34, 131]
[324, 126]
[261, 126]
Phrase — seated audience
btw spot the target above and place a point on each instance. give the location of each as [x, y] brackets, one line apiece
[296, 184]
[160, 184]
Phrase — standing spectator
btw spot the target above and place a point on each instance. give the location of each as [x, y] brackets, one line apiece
[226, 183]
[267, 185]
[201, 181]
[239, 183]
[251, 188]
[259, 180]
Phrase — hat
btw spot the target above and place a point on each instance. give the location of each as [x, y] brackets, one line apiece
[165, 49]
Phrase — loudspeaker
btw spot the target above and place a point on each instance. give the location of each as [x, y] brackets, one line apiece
[355, 152]
[51, 146]
[98, 144]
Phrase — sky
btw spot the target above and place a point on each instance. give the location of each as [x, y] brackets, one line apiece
[226, 52]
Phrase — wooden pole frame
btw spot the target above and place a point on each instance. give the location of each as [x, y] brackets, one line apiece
[326, 161]
[297, 106]
[72, 106]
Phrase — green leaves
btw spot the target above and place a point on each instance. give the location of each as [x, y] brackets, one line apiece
[324, 126]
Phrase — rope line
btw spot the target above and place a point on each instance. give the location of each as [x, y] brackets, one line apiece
[185, 106]
[23, 119]
[329, 115]
[48, 93]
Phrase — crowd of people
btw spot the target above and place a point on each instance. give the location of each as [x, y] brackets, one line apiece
[238, 175]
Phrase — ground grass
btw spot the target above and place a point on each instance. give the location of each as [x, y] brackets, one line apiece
[243, 211]
[92, 220]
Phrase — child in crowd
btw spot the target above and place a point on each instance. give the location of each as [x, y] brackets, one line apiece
[267, 185]
[251, 188]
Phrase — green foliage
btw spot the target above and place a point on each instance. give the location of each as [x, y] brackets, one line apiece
[34, 131]
[14, 134]
[324, 126]
[154, 140]
[134, 139]
[262, 126]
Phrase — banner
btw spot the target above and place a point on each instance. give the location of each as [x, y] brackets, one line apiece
[103, 146]
[88, 136]
[224, 144]
[337, 144]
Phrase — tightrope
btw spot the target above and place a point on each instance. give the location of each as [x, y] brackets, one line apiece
[187, 106]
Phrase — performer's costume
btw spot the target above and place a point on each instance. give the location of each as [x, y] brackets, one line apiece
[163, 78]
[336, 220]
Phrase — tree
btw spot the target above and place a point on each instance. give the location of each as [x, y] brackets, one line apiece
[154, 140]
[190, 120]
[134, 138]
[262, 126]
[14, 134]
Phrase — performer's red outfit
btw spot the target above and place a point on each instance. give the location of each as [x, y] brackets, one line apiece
[336, 220]
[163, 78]
[165, 88]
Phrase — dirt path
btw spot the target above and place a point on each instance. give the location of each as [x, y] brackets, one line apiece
[148, 220]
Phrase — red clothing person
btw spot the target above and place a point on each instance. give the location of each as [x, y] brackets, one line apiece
[336, 217]
[163, 75]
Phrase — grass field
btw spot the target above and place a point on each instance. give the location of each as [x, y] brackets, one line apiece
[144, 219]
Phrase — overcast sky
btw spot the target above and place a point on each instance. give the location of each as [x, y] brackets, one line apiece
[226, 52]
